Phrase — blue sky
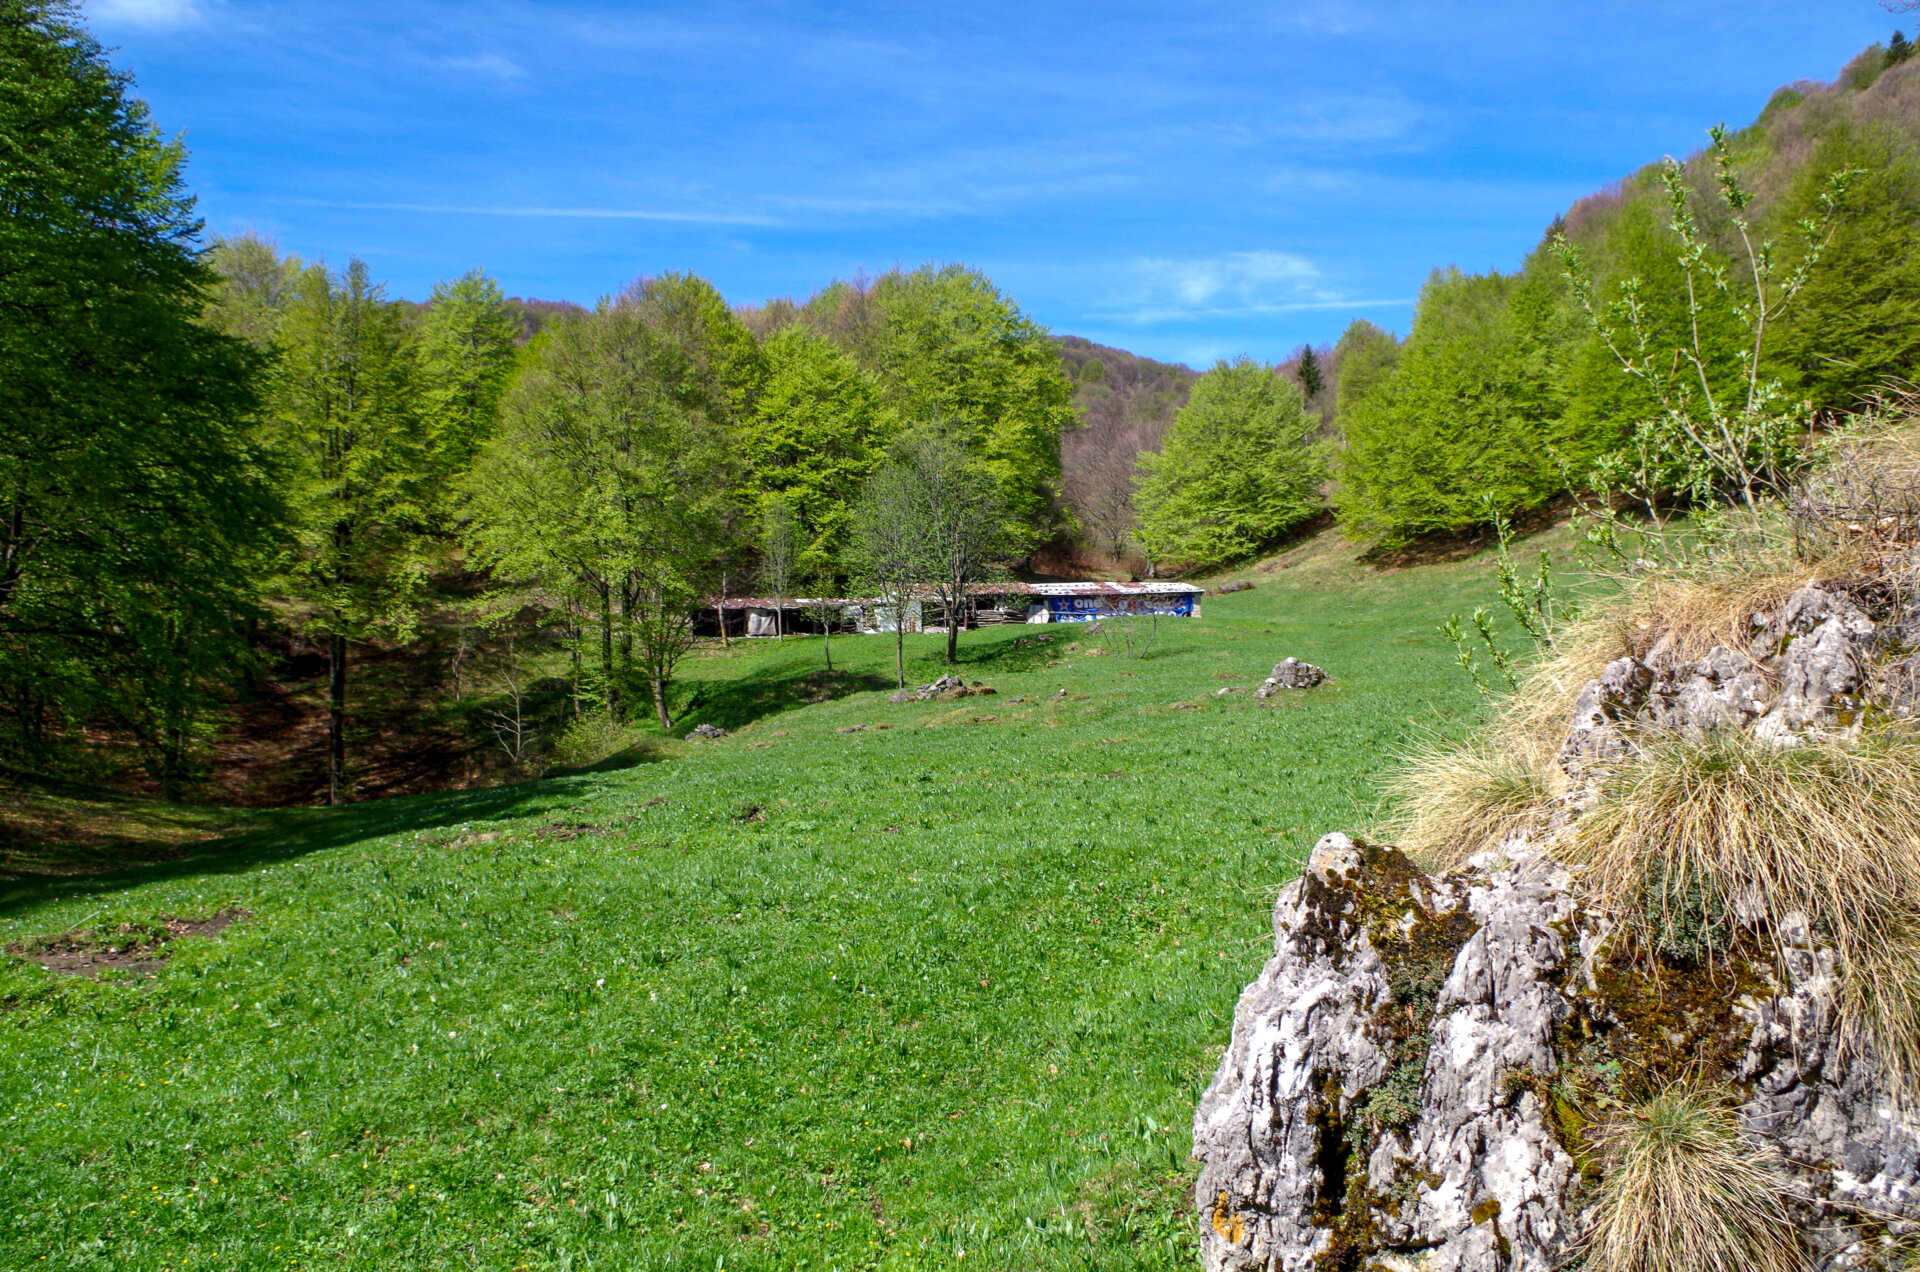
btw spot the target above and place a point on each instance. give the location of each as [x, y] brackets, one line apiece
[1187, 180]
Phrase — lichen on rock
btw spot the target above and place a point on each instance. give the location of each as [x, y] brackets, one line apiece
[1415, 1079]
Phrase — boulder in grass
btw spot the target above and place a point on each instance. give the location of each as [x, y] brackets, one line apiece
[707, 732]
[1290, 674]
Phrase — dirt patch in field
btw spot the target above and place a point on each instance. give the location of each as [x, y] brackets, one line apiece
[129, 947]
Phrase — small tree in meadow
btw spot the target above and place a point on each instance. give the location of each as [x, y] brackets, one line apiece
[779, 541]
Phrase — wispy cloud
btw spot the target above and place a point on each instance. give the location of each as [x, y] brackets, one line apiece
[486, 64]
[147, 13]
[593, 214]
[1336, 118]
[1236, 285]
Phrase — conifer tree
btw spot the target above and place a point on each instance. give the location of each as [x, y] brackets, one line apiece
[1308, 373]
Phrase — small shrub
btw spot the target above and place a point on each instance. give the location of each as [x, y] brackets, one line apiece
[1682, 1192]
[589, 739]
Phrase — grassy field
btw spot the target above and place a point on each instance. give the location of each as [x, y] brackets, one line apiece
[939, 991]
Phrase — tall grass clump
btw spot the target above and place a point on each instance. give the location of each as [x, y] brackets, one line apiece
[1455, 802]
[1723, 823]
[1683, 1192]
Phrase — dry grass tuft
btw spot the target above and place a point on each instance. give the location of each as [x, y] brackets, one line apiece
[1459, 801]
[1725, 825]
[1682, 1192]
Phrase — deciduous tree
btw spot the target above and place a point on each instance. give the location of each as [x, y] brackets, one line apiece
[1237, 470]
[818, 430]
[466, 355]
[136, 507]
[346, 395]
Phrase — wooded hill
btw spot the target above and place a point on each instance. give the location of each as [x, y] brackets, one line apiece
[1507, 388]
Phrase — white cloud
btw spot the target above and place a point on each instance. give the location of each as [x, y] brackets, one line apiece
[1238, 284]
[149, 13]
[594, 214]
[1241, 276]
[1348, 119]
[486, 64]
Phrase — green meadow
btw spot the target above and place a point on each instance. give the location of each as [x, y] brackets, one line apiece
[858, 986]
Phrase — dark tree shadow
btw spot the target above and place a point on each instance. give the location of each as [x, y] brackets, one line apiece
[730, 704]
[291, 833]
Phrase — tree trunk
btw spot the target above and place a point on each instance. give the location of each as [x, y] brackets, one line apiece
[336, 718]
[900, 645]
[954, 613]
[826, 629]
[610, 691]
[660, 703]
[725, 642]
[626, 631]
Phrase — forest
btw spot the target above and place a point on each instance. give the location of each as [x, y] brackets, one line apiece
[271, 536]
[223, 458]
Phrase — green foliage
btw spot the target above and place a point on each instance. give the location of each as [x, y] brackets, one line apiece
[716, 366]
[592, 738]
[606, 485]
[254, 283]
[1899, 48]
[1364, 357]
[818, 430]
[136, 506]
[1235, 473]
[345, 396]
[1854, 332]
[949, 348]
[466, 353]
[345, 393]
[1471, 414]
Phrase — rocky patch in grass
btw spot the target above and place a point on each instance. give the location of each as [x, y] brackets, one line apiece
[131, 947]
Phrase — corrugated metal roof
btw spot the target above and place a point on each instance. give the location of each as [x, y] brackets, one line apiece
[1150, 587]
[789, 602]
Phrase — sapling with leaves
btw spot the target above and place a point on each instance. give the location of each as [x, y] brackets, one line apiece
[779, 542]
[1535, 603]
[889, 549]
[965, 521]
[822, 608]
[1709, 441]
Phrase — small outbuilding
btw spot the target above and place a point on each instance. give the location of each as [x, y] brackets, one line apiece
[988, 604]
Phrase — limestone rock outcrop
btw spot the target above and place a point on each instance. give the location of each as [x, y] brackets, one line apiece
[1409, 1082]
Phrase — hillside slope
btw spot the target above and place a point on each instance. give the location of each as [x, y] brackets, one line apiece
[860, 985]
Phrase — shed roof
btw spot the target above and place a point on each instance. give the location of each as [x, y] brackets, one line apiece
[1149, 587]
